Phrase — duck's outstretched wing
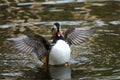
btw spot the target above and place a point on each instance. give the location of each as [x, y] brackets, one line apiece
[29, 44]
[75, 36]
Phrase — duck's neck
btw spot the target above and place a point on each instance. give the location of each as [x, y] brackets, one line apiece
[58, 34]
[57, 37]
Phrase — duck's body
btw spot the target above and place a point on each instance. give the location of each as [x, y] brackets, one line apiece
[59, 52]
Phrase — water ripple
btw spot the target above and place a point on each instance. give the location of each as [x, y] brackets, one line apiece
[99, 23]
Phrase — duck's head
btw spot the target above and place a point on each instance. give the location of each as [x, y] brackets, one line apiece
[57, 26]
[56, 29]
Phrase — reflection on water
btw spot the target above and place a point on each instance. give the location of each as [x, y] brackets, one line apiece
[96, 59]
[60, 72]
[98, 23]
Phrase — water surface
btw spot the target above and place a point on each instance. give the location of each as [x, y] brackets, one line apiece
[95, 59]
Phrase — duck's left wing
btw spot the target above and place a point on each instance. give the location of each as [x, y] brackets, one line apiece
[29, 44]
[75, 36]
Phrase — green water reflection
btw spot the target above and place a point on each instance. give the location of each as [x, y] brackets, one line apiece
[97, 59]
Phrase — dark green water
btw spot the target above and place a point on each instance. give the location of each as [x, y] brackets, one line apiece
[96, 59]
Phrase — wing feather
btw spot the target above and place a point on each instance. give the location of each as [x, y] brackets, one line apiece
[76, 36]
[29, 44]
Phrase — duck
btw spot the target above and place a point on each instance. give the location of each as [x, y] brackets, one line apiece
[56, 52]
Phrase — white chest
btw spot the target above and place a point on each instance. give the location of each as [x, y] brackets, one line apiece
[60, 53]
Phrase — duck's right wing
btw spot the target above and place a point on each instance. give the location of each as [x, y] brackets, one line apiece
[76, 36]
[29, 44]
